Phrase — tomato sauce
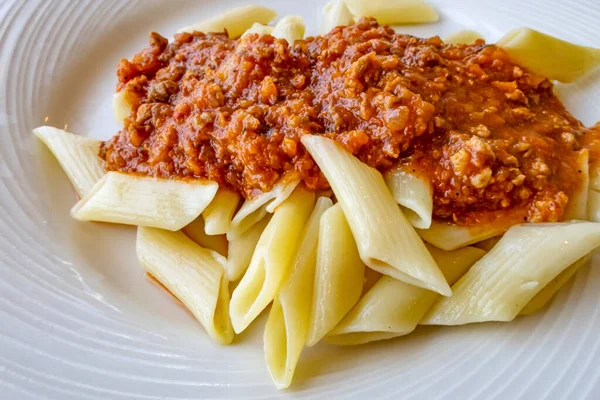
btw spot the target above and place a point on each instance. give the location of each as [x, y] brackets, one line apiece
[491, 136]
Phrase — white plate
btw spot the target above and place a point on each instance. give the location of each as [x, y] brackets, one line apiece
[78, 320]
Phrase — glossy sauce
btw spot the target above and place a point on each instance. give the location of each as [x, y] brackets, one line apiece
[492, 138]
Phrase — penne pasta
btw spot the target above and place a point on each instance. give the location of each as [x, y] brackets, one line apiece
[121, 106]
[577, 207]
[394, 12]
[547, 293]
[217, 216]
[241, 249]
[462, 37]
[287, 326]
[289, 28]
[451, 237]
[279, 194]
[371, 278]
[594, 176]
[339, 275]
[454, 264]
[386, 241]
[236, 21]
[392, 308]
[336, 13]
[523, 262]
[195, 230]
[549, 56]
[488, 244]
[77, 155]
[594, 205]
[259, 29]
[414, 194]
[333, 160]
[270, 260]
[145, 201]
[255, 209]
[191, 274]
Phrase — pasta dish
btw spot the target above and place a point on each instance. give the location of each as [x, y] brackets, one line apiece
[360, 182]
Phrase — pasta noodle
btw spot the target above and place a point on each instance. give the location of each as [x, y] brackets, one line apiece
[594, 173]
[255, 209]
[549, 56]
[289, 28]
[488, 244]
[463, 37]
[523, 262]
[577, 207]
[77, 156]
[191, 274]
[394, 11]
[386, 241]
[371, 278]
[195, 230]
[121, 106]
[414, 194]
[287, 326]
[259, 29]
[339, 275]
[270, 260]
[241, 249]
[448, 236]
[594, 205]
[218, 214]
[336, 13]
[145, 201]
[392, 308]
[547, 293]
[236, 21]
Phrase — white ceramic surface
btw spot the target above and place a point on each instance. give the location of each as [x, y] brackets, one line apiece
[78, 319]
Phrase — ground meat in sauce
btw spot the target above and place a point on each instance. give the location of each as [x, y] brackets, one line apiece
[491, 136]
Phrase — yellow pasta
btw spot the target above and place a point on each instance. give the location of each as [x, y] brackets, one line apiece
[594, 176]
[594, 205]
[371, 278]
[217, 216]
[448, 236]
[195, 230]
[145, 201]
[271, 259]
[414, 194]
[488, 244]
[549, 56]
[394, 11]
[386, 241]
[577, 207]
[547, 293]
[77, 155]
[524, 261]
[236, 21]
[339, 275]
[259, 29]
[392, 308]
[289, 28]
[336, 13]
[287, 326]
[256, 208]
[121, 106]
[241, 249]
[191, 274]
[463, 37]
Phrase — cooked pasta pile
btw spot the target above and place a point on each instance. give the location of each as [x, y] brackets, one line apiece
[362, 262]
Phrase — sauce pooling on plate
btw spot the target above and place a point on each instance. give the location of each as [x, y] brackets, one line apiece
[492, 137]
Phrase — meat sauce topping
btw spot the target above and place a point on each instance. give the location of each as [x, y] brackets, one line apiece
[492, 137]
